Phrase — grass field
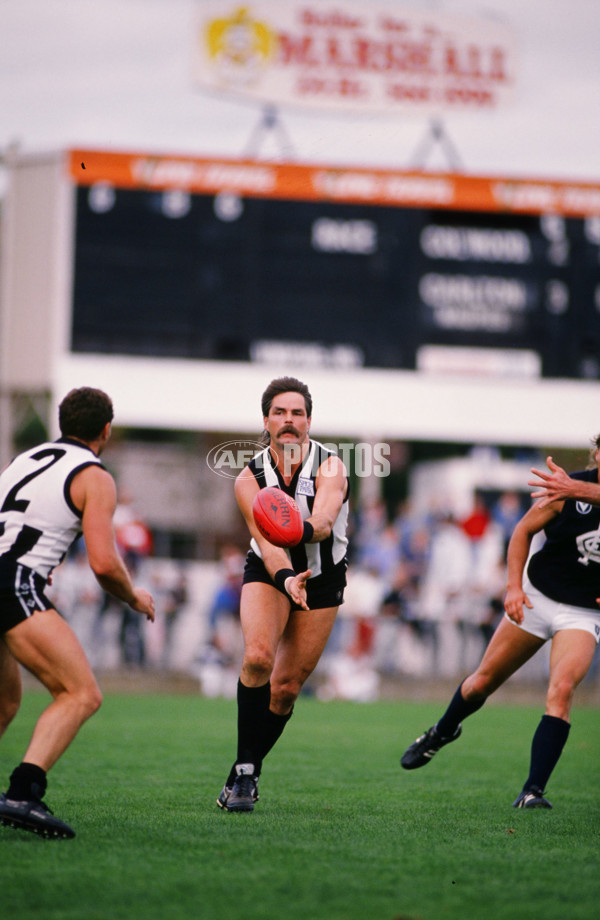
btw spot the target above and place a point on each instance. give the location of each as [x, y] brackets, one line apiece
[340, 832]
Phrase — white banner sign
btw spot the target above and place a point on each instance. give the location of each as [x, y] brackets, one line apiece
[345, 56]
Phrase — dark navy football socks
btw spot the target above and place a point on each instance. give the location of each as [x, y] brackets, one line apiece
[546, 747]
[457, 711]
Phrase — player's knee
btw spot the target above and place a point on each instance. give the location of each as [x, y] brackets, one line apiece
[258, 662]
[90, 700]
[560, 697]
[9, 707]
[478, 686]
[284, 695]
[286, 690]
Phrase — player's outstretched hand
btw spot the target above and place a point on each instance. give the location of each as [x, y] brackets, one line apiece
[296, 588]
[143, 603]
[554, 486]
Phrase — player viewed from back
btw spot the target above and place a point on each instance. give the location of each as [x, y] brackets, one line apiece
[553, 596]
[290, 597]
[49, 496]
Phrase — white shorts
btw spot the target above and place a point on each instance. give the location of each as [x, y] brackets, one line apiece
[549, 617]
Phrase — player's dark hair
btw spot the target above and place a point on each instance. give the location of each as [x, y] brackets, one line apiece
[285, 385]
[595, 446]
[83, 413]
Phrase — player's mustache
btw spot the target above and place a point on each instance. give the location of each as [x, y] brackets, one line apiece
[288, 429]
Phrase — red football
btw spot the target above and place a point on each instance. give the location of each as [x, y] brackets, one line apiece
[278, 517]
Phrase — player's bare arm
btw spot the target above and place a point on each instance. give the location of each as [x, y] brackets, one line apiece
[93, 491]
[557, 485]
[531, 523]
[274, 558]
[330, 485]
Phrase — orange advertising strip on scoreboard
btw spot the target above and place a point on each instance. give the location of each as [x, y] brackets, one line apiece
[305, 182]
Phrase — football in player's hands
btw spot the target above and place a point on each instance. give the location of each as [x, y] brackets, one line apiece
[278, 517]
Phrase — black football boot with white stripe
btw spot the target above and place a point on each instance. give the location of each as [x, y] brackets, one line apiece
[533, 797]
[422, 750]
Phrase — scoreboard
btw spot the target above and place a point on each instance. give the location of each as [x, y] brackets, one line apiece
[219, 260]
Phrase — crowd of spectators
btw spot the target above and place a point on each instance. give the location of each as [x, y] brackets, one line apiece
[425, 592]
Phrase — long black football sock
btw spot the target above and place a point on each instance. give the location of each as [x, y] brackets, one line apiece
[27, 782]
[546, 747]
[457, 711]
[253, 706]
[274, 726]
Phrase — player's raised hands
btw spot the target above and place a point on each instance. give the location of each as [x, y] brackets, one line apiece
[556, 485]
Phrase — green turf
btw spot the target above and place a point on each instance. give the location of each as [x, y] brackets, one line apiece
[340, 832]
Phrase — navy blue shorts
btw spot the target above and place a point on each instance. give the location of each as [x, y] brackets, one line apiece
[321, 591]
[21, 594]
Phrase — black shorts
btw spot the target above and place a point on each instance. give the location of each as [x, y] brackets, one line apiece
[21, 594]
[321, 591]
